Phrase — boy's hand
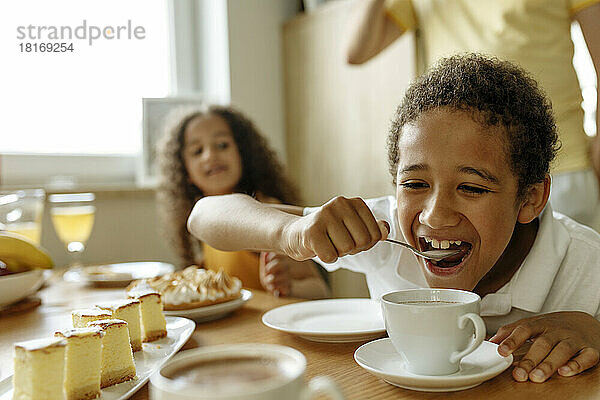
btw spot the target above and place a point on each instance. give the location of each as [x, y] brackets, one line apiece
[566, 342]
[341, 226]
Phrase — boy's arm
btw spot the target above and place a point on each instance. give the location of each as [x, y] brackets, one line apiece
[294, 210]
[567, 342]
[238, 222]
[373, 32]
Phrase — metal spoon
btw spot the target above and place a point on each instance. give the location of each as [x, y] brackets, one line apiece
[435, 255]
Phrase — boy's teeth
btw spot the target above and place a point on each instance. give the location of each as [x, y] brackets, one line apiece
[442, 244]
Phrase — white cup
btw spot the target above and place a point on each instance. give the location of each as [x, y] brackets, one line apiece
[433, 329]
[250, 371]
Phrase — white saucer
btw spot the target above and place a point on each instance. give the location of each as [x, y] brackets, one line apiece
[210, 313]
[381, 359]
[331, 321]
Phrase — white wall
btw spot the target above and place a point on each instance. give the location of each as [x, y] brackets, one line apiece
[256, 63]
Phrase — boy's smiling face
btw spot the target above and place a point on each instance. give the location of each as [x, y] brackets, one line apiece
[455, 188]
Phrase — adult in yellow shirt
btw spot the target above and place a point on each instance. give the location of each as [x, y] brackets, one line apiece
[532, 33]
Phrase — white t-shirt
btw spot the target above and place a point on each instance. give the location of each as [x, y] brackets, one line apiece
[560, 273]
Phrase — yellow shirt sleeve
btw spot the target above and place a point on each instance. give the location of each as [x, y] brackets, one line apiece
[578, 5]
[402, 13]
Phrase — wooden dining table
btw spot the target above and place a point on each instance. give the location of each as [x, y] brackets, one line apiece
[244, 326]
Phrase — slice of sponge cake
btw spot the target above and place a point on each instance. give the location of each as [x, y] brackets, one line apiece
[39, 369]
[117, 357]
[152, 319]
[129, 311]
[83, 362]
[82, 316]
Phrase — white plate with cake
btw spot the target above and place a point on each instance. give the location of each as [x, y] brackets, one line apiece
[147, 361]
[119, 274]
[216, 311]
[197, 293]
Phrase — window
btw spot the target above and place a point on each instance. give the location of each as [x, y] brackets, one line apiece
[60, 106]
[587, 79]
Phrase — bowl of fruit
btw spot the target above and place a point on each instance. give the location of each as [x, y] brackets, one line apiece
[21, 267]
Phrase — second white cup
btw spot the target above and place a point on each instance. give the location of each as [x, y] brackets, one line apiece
[433, 329]
[251, 371]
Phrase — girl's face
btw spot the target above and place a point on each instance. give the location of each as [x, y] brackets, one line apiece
[211, 155]
[455, 189]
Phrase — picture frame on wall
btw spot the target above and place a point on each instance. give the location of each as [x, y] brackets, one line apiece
[159, 114]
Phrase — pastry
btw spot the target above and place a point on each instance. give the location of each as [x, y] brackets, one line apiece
[193, 287]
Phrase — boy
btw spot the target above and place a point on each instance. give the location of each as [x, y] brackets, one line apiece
[470, 150]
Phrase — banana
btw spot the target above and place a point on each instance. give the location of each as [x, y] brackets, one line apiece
[21, 254]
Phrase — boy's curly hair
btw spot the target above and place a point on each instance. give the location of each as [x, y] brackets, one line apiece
[261, 173]
[499, 94]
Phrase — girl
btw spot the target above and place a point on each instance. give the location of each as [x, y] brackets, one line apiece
[217, 151]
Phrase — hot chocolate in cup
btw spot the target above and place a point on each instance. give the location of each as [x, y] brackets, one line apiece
[239, 371]
[433, 329]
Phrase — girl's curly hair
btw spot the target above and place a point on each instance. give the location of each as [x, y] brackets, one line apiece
[261, 173]
[499, 94]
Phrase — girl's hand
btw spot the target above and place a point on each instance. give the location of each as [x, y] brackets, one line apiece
[274, 273]
[283, 276]
[567, 342]
[341, 226]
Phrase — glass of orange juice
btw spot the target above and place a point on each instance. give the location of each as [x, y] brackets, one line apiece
[21, 212]
[72, 215]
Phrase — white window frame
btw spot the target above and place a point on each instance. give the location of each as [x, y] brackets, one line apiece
[199, 54]
[584, 66]
[88, 171]
[67, 172]
[200, 43]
